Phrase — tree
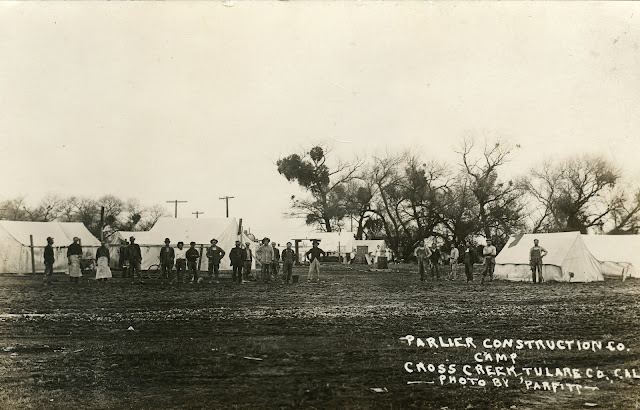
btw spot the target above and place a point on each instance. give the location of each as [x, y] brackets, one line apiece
[151, 216]
[14, 209]
[498, 202]
[327, 206]
[580, 193]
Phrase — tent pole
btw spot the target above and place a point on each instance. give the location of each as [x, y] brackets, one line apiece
[33, 259]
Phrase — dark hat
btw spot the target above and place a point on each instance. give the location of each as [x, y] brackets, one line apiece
[265, 239]
[192, 243]
[167, 240]
[48, 237]
[214, 240]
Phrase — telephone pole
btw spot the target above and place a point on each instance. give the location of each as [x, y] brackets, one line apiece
[196, 213]
[227, 198]
[175, 201]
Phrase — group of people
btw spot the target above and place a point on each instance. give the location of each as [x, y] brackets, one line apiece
[74, 258]
[433, 257]
[241, 258]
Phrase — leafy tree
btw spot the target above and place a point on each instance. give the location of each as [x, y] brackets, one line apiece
[326, 207]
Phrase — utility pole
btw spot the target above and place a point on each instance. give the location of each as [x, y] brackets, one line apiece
[196, 213]
[227, 198]
[175, 201]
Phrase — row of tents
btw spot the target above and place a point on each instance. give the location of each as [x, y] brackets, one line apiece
[571, 257]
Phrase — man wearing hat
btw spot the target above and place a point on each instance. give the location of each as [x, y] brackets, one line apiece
[237, 256]
[167, 256]
[74, 255]
[192, 255]
[215, 255]
[49, 259]
[247, 261]
[135, 259]
[264, 255]
[314, 254]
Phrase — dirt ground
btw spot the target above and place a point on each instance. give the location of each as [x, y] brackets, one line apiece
[321, 345]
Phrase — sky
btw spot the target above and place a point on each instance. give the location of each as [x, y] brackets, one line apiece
[194, 101]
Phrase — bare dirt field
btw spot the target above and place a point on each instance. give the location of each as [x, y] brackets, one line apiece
[322, 345]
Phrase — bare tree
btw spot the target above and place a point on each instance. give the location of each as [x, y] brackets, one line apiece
[581, 193]
[499, 210]
[14, 209]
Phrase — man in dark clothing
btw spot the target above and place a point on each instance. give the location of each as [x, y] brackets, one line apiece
[192, 262]
[135, 259]
[124, 258]
[435, 261]
[215, 255]
[167, 256]
[467, 259]
[276, 261]
[49, 259]
[237, 256]
[288, 259]
[247, 261]
[314, 254]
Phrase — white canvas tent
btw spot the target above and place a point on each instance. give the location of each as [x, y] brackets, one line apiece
[198, 230]
[15, 252]
[619, 255]
[568, 259]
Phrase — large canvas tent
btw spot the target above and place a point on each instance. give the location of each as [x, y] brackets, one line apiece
[619, 255]
[198, 230]
[15, 244]
[568, 259]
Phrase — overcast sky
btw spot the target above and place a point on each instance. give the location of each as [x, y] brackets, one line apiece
[194, 101]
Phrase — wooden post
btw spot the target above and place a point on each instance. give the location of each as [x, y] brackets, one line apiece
[101, 223]
[200, 259]
[33, 258]
[240, 230]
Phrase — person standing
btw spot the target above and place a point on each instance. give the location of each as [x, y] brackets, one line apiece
[124, 258]
[489, 253]
[237, 256]
[214, 255]
[192, 255]
[467, 259]
[276, 261]
[49, 259]
[313, 255]
[167, 257]
[289, 258]
[423, 254]
[74, 255]
[103, 272]
[135, 260]
[454, 254]
[248, 261]
[181, 262]
[264, 255]
[435, 261]
[536, 253]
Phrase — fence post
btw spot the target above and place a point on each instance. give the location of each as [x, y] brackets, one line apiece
[33, 259]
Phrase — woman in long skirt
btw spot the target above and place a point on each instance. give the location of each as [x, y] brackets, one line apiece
[103, 272]
[74, 254]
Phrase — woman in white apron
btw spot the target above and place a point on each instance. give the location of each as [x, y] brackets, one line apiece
[103, 272]
[74, 255]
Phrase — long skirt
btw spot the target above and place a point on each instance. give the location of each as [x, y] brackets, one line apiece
[103, 271]
[74, 266]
